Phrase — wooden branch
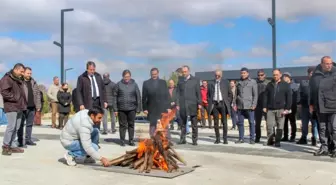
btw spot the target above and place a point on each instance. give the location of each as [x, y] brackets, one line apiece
[177, 156]
[139, 162]
[132, 151]
[150, 161]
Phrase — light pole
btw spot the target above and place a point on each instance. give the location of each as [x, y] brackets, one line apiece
[61, 45]
[65, 72]
[272, 22]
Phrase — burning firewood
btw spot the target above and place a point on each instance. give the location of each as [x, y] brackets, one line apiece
[154, 153]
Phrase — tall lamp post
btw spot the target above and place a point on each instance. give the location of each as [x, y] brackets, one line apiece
[65, 72]
[272, 22]
[61, 45]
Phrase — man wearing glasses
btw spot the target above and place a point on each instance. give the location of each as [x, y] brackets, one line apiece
[262, 83]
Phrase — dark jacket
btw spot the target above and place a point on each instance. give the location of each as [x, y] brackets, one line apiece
[41, 100]
[155, 98]
[126, 96]
[13, 93]
[295, 96]
[109, 85]
[261, 90]
[189, 95]
[226, 92]
[278, 96]
[64, 101]
[36, 93]
[304, 91]
[247, 94]
[314, 84]
[84, 92]
[74, 100]
[327, 94]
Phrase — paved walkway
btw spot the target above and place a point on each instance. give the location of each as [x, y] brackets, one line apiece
[220, 164]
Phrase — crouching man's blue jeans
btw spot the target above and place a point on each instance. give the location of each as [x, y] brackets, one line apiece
[76, 149]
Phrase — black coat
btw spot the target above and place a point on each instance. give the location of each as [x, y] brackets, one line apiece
[261, 90]
[155, 98]
[278, 97]
[304, 92]
[189, 95]
[109, 86]
[226, 92]
[84, 92]
[314, 84]
[64, 101]
[74, 100]
[126, 96]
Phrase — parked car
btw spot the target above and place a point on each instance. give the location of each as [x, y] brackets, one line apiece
[141, 119]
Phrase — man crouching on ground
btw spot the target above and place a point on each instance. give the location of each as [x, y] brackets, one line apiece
[80, 139]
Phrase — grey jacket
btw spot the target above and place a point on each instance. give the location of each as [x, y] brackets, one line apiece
[80, 127]
[36, 92]
[126, 96]
[247, 94]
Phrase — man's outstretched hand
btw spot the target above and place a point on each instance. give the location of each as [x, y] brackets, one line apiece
[105, 162]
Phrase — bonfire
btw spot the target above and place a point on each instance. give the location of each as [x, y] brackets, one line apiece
[154, 153]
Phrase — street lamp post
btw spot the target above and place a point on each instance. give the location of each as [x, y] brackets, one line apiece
[61, 45]
[65, 72]
[272, 22]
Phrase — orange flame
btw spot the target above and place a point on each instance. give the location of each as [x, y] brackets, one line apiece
[147, 144]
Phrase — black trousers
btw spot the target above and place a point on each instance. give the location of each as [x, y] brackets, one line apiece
[327, 130]
[220, 109]
[126, 122]
[292, 119]
[62, 119]
[184, 121]
[96, 102]
[203, 110]
[259, 113]
[28, 118]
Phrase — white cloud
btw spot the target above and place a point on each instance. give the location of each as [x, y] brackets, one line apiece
[308, 60]
[260, 52]
[229, 25]
[3, 68]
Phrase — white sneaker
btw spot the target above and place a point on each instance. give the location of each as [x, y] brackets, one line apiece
[70, 160]
[89, 160]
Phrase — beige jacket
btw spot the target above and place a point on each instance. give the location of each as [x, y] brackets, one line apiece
[52, 93]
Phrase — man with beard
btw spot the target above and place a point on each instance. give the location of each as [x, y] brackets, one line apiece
[220, 99]
[262, 83]
[155, 99]
[91, 89]
[323, 101]
[109, 85]
[33, 104]
[80, 138]
[189, 101]
[15, 103]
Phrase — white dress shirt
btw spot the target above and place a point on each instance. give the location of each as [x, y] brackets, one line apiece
[219, 98]
[95, 85]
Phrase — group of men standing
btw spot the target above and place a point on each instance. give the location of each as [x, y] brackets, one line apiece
[21, 99]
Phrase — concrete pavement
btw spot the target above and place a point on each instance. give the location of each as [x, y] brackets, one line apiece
[220, 164]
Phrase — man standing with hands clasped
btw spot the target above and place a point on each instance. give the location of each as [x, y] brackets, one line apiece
[91, 89]
[189, 101]
[277, 103]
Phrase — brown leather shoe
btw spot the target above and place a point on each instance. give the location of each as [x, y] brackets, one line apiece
[6, 151]
[17, 150]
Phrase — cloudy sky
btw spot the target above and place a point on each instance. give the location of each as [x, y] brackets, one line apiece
[140, 34]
